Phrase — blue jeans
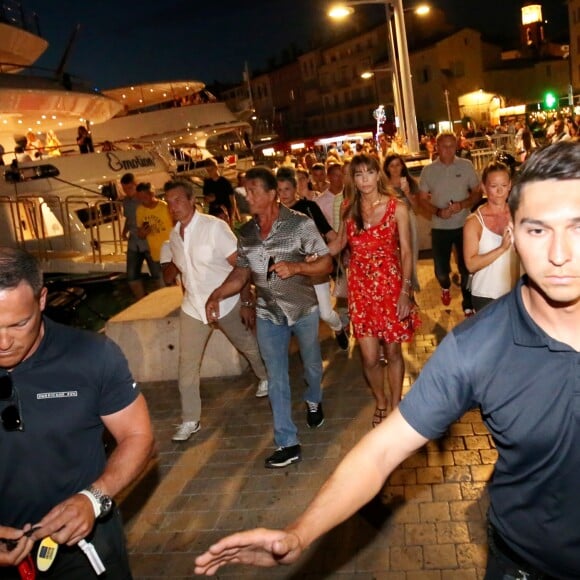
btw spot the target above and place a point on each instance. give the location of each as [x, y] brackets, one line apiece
[135, 261]
[274, 340]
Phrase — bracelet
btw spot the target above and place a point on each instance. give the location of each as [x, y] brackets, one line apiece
[248, 303]
[94, 501]
[407, 282]
[405, 293]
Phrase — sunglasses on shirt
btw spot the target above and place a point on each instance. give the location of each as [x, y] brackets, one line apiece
[270, 273]
[10, 416]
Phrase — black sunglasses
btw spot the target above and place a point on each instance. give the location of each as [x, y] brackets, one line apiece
[270, 273]
[10, 415]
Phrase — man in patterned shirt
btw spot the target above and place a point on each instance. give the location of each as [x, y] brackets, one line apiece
[271, 251]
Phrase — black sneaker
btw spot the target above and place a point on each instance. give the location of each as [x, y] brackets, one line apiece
[314, 415]
[341, 339]
[283, 456]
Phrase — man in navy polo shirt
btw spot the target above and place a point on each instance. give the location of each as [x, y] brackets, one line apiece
[518, 360]
[59, 388]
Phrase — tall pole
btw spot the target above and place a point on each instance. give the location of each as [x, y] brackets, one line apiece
[406, 78]
[446, 93]
[396, 81]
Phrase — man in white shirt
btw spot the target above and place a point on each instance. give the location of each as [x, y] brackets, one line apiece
[204, 250]
[325, 201]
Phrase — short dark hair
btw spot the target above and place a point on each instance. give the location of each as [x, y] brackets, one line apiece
[263, 174]
[286, 174]
[560, 161]
[127, 179]
[186, 185]
[143, 186]
[18, 266]
[318, 166]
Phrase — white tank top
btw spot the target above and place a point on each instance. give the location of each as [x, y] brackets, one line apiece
[499, 277]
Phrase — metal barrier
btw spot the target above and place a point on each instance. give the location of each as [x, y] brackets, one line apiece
[28, 222]
[481, 157]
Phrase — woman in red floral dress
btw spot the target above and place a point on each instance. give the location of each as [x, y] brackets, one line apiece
[380, 292]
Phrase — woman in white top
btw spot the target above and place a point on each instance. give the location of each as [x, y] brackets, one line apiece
[487, 239]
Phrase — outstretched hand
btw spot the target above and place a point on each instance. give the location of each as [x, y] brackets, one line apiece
[259, 547]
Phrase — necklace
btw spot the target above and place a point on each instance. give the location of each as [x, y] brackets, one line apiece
[368, 210]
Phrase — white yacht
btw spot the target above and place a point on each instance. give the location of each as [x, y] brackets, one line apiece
[65, 206]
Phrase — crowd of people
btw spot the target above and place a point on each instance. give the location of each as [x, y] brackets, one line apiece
[303, 231]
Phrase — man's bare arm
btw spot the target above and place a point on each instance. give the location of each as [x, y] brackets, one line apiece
[357, 479]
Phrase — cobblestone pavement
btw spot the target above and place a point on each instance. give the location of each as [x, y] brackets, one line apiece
[428, 523]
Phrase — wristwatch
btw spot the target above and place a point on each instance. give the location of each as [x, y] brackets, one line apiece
[102, 504]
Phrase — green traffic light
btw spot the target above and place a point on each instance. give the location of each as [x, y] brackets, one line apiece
[550, 100]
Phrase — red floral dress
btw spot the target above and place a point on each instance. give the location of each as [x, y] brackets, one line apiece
[375, 281]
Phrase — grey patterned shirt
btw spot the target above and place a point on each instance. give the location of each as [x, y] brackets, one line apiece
[293, 236]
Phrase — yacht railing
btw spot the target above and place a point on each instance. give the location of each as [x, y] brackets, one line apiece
[27, 220]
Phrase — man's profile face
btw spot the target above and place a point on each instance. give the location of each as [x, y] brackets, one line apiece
[547, 237]
[20, 324]
[129, 189]
[146, 197]
[180, 207]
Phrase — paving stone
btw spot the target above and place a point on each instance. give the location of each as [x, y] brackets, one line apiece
[447, 492]
[429, 475]
[435, 511]
[406, 558]
[418, 534]
[439, 556]
[452, 532]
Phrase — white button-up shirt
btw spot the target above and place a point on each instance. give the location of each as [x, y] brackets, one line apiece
[202, 258]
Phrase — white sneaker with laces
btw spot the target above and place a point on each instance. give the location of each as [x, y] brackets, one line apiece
[262, 390]
[186, 430]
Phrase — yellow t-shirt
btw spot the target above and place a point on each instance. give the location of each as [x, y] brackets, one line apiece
[161, 224]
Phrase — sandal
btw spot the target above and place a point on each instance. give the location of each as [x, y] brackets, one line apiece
[379, 415]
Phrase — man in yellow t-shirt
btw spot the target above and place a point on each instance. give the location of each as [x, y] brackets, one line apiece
[154, 224]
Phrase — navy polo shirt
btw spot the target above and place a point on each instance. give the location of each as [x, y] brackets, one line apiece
[527, 386]
[64, 388]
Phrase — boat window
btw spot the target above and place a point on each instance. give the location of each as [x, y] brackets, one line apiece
[16, 174]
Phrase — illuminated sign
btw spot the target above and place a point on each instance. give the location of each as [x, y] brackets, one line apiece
[531, 14]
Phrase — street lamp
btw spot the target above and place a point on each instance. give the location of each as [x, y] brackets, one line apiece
[404, 99]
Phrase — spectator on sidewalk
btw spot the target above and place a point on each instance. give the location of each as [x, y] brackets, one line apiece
[137, 248]
[154, 224]
[449, 188]
[288, 194]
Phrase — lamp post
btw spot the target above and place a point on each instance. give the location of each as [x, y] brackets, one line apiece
[402, 79]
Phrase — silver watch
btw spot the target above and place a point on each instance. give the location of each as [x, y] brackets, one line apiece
[105, 501]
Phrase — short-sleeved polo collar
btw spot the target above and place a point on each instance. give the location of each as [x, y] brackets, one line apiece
[526, 331]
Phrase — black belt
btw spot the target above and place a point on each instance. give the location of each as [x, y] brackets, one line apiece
[499, 546]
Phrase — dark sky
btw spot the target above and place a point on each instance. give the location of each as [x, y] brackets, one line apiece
[123, 42]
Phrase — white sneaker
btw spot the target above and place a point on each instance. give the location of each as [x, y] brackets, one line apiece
[186, 430]
[262, 390]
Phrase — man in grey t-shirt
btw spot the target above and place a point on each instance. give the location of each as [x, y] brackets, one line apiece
[449, 188]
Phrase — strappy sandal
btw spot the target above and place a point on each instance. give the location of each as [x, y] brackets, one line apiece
[379, 415]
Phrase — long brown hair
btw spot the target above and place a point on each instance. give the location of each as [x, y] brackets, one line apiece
[353, 205]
